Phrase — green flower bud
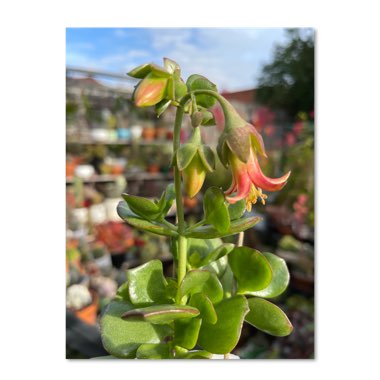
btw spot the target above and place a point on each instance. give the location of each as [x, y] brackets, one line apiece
[150, 91]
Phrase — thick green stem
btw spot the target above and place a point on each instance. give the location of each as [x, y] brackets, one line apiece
[182, 241]
[182, 261]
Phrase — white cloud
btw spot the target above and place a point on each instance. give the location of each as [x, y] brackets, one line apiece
[230, 57]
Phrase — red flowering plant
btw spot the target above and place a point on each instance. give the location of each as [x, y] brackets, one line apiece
[200, 311]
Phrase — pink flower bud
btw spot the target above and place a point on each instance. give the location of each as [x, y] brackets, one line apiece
[150, 91]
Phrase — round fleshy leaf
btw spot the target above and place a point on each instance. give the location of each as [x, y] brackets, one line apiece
[280, 278]
[161, 314]
[268, 317]
[123, 292]
[122, 338]
[199, 82]
[215, 209]
[209, 232]
[185, 154]
[198, 249]
[153, 351]
[237, 209]
[186, 332]
[250, 268]
[147, 284]
[202, 281]
[218, 253]
[228, 282]
[218, 267]
[205, 307]
[194, 355]
[222, 337]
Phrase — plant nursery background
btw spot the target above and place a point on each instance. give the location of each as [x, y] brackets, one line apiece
[113, 147]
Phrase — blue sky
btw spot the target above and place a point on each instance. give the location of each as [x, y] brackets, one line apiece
[230, 57]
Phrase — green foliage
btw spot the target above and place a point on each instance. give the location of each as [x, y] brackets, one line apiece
[215, 209]
[154, 317]
[222, 337]
[268, 317]
[250, 268]
[280, 277]
[288, 81]
[161, 314]
[147, 284]
[122, 338]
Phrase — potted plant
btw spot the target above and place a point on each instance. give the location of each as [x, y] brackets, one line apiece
[200, 311]
[83, 302]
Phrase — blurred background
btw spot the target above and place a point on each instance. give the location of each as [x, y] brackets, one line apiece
[112, 147]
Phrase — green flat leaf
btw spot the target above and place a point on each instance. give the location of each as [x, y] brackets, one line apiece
[228, 282]
[199, 82]
[171, 288]
[166, 200]
[237, 209]
[218, 253]
[160, 72]
[215, 209]
[207, 157]
[280, 278]
[122, 338]
[268, 317]
[185, 154]
[194, 355]
[170, 65]
[208, 119]
[198, 249]
[209, 232]
[202, 281]
[131, 218]
[123, 292]
[160, 314]
[180, 87]
[222, 337]
[218, 267]
[147, 284]
[153, 351]
[186, 332]
[162, 106]
[250, 268]
[140, 71]
[142, 206]
[205, 307]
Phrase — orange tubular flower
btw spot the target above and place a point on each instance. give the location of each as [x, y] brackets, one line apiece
[238, 147]
[249, 181]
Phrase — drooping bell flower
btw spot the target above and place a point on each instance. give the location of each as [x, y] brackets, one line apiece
[194, 159]
[239, 147]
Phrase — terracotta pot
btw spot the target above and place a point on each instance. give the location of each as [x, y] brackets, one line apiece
[117, 169]
[89, 313]
[70, 169]
[153, 168]
[160, 133]
[148, 133]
